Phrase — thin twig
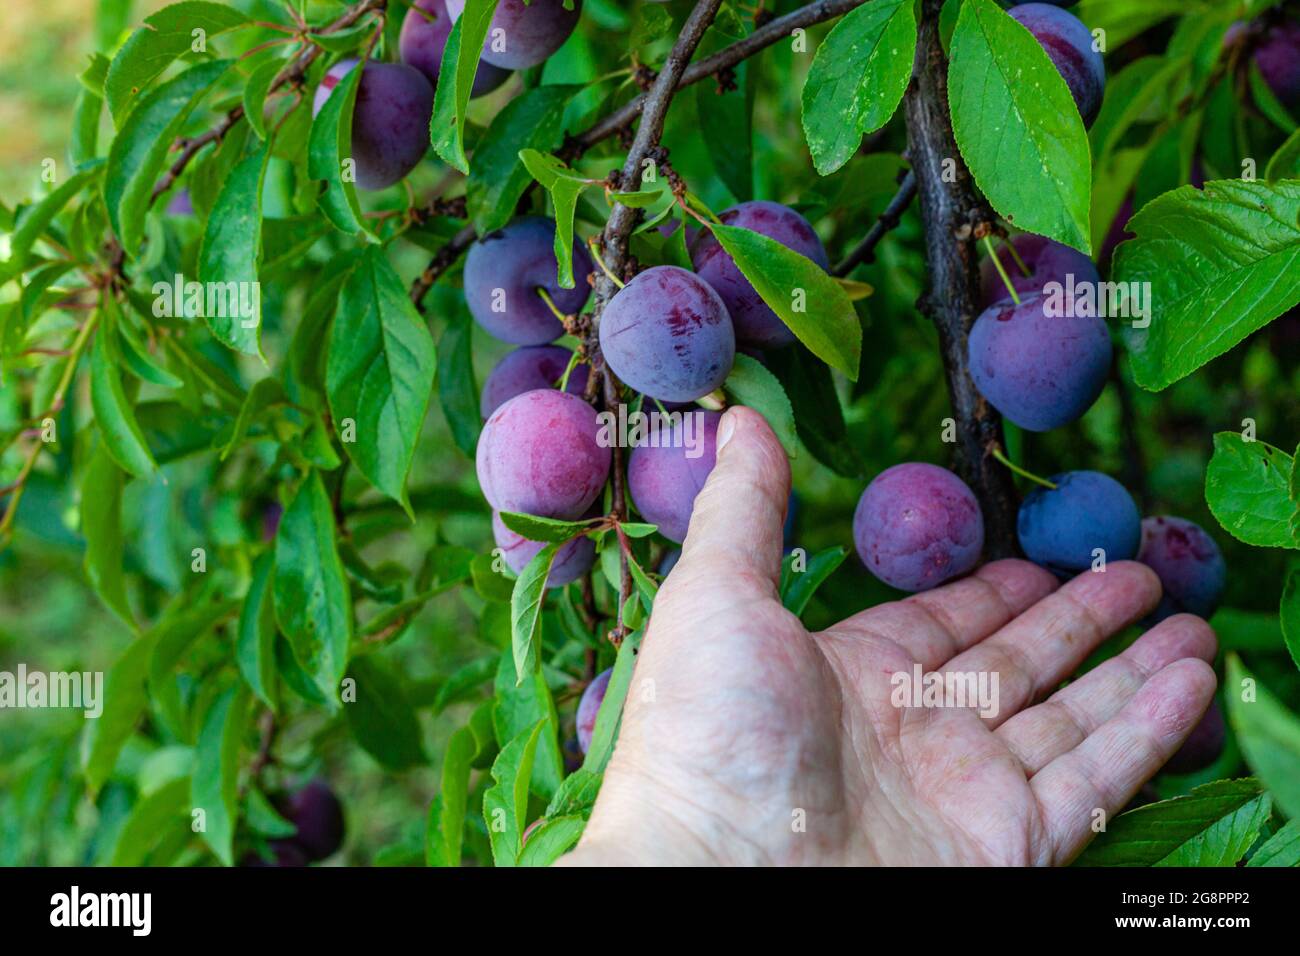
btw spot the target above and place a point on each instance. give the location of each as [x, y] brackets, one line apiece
[865, 251]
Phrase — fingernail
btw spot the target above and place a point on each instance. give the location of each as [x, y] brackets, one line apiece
[726, 428]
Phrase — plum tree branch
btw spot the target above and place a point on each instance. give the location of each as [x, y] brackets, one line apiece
[955, 216]
[865, 251]
[619, 120]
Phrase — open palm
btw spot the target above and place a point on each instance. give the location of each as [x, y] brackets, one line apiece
[746, 739]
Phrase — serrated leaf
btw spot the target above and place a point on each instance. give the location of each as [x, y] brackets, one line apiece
[101, 526]
[536, 528]
[526, 610]
[1268, 734]
[37, 219]
[857, 79]
[380, 373]
[1289, 614]
[152, 48]
[1281, 849]
[505, 805]
[446, 820]
[114, 414]
[313, 605]
[458, 392]
[143, 144]
[381, 717]
[518, 707]
[256, 632]
[215, 786]
[605, 732]
[750, 383]
[497, 178]
[1149, 834]
[455, 84]
[231, 249]
[813, 305]
[1017, 126]
[1246, 489]
[1225, 841]
[798, 587]
[256, 89]
[328, 145]
[1220, 263]
[551, 840]
[565, 186]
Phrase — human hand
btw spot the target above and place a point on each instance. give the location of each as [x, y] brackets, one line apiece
[740, 723]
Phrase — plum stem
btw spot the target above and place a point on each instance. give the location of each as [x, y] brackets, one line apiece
[1015, 254]
[997, 264]
[715, 401]
[998, 454]
[593, 244]
[550, 303]
[568, 370]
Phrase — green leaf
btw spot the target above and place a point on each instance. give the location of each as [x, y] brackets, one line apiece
[1246, 489]
[750, 383]
[232, 246]
[1220, 262]
[37, 219]
[565, 186]
[152, 817]
[312, 604]
[518, 707]
[1285, 163]
[114, 413]
[264, 394]
[446, 822]
[255, 91]
[1267, 100]
[1281, 849]
[138, 360]
[457, 391]
[798, 587]
[143, 145]
[526, 610]
[1226, 840]
[451, 94]
[1017, 126]
[263, 818]
[1157, 831]
[605, 733]
[1289, 614]
[551, 840]
[857, 80]
[328, 145]
[152, 48]
[382, 718]
[1268, 734]
[819, 419]
[101, 526]
[497, 179]
[215, 788]
[255, 637]
[380, 373]
[577, 795]
[124, 702]
[505, 805]
[810, 302]
[536, 528]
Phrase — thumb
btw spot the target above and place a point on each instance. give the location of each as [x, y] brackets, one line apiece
[736, 524]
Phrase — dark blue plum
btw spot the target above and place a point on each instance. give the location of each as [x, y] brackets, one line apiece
[527, 368]
[1069, 46]
[1061, 527]
[917, 526]
[1187, 561]
[755, 322]
[1278, 59]
[424, 37]
[503, 272]
[1040, 370]
[390, 121]
[318, 815]
[668, 335]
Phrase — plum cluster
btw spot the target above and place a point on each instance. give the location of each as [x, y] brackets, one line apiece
[670, 334]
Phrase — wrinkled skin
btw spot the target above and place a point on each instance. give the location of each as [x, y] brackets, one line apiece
[753, 718]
